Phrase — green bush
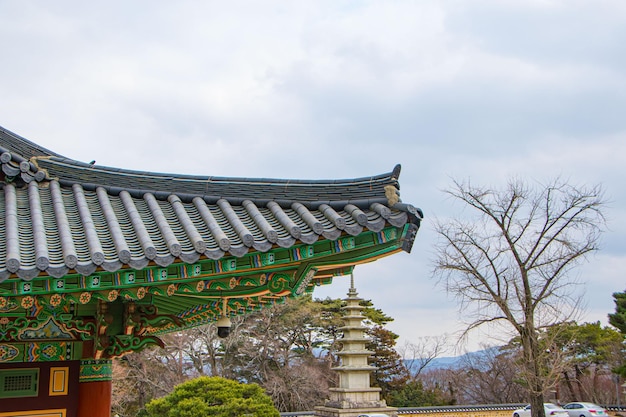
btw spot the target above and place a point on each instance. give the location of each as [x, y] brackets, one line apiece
[213, 396]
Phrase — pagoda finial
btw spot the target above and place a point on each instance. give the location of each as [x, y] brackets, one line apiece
[352, 290]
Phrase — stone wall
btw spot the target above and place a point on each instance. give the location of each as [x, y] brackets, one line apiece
[499, 410]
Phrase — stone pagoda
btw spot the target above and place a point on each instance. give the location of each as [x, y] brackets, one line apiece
[354, 395]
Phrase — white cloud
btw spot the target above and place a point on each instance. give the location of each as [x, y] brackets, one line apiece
[335, 89]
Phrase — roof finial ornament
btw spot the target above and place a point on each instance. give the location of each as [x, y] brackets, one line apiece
[392, 194]
[395, 174]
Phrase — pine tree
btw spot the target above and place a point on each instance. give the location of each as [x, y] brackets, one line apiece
[213, 396]
[618, 320]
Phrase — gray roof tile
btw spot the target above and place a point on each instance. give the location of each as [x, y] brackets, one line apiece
[58, 215]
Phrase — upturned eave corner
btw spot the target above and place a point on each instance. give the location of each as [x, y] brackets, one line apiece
[80, 234]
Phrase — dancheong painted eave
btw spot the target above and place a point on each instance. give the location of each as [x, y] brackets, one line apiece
[59, 216]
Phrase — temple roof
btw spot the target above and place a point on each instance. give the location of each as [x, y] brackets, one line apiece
[60, 216]
[115, 257]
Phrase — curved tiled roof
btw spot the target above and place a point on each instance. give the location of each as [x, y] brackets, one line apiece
[60, 215]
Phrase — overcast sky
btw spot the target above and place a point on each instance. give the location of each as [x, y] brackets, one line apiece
[481, 90]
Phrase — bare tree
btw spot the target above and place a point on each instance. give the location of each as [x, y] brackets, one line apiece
[511, 262]
[142, 376]
[489, 377]
[418, 355]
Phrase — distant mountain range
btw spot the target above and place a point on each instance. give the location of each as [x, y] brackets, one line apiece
[449, 362]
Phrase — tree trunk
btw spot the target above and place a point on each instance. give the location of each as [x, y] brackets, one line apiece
[568, 384]
[536, 405]
[530, 348]
[581, 391]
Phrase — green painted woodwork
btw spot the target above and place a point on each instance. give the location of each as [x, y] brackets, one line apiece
[213, 269]
[19, 382]
[11, 352]
[96, 370]
[125, 311]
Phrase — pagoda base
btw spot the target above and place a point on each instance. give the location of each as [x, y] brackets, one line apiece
[347, 397]
[346, 402]
[324, 411]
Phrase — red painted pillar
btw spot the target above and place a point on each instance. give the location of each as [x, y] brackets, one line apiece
[94, 399]
[94, 389]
